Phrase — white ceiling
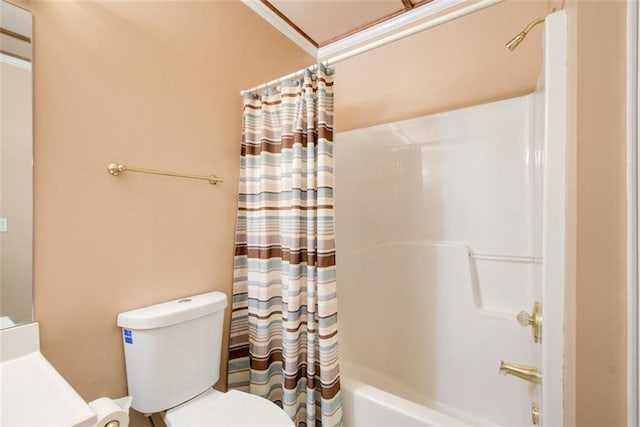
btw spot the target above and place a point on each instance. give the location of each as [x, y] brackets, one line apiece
[324, 21]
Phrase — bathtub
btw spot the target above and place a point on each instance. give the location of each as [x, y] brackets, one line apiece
[366, 406]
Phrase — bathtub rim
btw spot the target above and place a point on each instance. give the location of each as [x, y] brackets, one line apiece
[399, 404]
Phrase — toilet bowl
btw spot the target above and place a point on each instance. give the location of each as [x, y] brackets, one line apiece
[172, 357]
[231, 409]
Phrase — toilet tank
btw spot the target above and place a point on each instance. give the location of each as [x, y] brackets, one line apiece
[172, 350]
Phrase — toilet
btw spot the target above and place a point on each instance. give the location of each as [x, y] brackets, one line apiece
[172, 353]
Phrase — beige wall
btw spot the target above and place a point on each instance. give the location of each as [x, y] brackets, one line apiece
[155, 84]
[458, 64]
[151, 84]
[601, 258]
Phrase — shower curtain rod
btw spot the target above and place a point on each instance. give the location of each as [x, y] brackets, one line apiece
[482, 4]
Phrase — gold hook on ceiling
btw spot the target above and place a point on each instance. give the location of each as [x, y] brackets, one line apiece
[514, 42]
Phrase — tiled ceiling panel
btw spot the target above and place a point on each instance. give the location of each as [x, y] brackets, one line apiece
[326, 20]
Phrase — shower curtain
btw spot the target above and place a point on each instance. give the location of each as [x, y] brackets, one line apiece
[284, 342]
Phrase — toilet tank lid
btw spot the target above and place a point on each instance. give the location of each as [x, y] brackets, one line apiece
[173, 312]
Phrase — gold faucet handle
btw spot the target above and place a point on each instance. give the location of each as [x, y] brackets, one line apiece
[524, 318]
[534, 320]
[535, 414]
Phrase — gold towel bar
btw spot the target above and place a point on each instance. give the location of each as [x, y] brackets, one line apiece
[116, 169]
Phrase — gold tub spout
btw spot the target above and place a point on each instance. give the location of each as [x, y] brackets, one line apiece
[527, 373]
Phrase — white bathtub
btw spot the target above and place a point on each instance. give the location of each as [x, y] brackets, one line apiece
[367, 406]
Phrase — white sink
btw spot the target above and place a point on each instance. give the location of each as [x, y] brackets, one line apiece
[32, 392]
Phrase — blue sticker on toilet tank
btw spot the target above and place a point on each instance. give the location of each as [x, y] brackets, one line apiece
[127, 333]
[128, 340]
[128, 336]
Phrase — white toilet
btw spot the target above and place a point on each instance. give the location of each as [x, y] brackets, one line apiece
[172, 353]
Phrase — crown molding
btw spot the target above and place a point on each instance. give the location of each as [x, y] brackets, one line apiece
[402, 22]
[281, 25]
[413, 18]
[16, 62]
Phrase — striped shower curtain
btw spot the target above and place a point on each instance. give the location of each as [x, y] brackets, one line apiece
[284, 343]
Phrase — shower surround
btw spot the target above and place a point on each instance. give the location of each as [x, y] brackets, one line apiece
[437, 252]
[447, 226]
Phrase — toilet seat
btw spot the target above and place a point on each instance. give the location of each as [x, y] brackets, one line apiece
[231, 409]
